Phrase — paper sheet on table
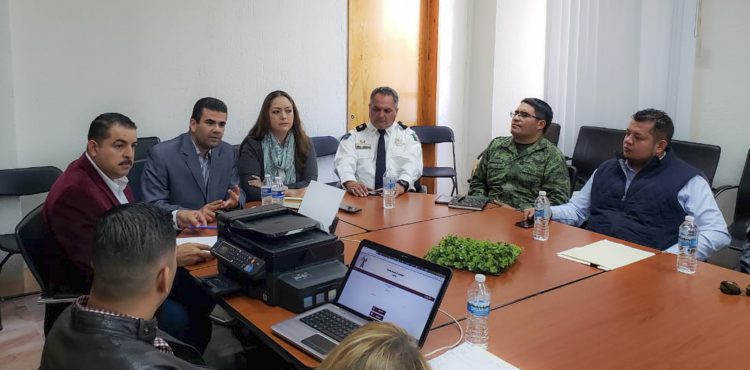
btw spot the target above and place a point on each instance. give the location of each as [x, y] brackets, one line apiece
[292, 202]
[605, 254]
[321, 203]
[207, 240]
[467, 356]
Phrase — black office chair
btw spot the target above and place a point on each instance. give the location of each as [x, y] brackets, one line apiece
[325, 150]
[553, 133]
[437, 135]
[31, 236]
[134, 179]
[21, 182]
[705, 157]
[594, 146]
[572, 171]
[742, 206]
[144, 145]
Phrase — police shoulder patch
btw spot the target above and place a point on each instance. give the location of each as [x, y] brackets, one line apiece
[361, 127]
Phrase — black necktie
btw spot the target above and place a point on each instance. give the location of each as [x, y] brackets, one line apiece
[380, 161]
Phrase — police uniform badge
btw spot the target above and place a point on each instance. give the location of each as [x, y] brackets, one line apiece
[362, 144]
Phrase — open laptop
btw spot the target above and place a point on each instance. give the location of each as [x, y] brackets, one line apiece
[382, 284]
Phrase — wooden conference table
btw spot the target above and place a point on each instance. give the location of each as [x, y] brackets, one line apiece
[642, 316]
[538, 272]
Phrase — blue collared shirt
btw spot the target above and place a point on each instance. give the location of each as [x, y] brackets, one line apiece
[696, 199]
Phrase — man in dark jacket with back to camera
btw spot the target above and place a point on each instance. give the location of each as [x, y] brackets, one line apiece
[114, 328]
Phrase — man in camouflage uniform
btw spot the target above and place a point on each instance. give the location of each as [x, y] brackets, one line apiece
[514, 169]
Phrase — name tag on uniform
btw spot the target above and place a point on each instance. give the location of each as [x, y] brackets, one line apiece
[362, 145]
[398, 141]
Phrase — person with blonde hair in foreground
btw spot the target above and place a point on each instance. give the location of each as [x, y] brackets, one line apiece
[376, 345]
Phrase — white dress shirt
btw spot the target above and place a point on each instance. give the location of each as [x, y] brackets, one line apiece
[117, 185]
[357, 154]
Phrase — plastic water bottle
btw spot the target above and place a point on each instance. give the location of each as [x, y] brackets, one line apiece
[478, 307]
[542, 215]
[687, 258]
[389, 191]
[266, 194]
[278, 191]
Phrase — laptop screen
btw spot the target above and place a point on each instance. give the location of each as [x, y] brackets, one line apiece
[385, 288]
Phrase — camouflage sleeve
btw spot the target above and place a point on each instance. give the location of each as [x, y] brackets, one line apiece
[479, 179]
[557, 180]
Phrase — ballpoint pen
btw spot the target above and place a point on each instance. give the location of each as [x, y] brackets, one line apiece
[202, 227]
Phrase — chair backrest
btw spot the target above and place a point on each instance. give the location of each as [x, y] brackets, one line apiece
[144, 145]
[703, 156]
[325, 150]
[434, 134]
[594, 146]
[553, 133]
[324, 145]
[572, 172]
[134, 179]
[31, 236]
[742, 209]
[27, 181]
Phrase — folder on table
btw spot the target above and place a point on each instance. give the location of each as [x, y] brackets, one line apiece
[605, 254]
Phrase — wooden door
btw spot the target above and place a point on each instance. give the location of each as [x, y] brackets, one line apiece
[383, 51]
[394, 43]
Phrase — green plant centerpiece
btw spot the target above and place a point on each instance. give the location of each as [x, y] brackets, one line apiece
[474, 255]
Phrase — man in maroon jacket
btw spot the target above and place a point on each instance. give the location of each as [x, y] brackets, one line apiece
[90, 186]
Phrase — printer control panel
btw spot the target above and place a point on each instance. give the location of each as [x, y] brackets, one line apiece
[239, 259]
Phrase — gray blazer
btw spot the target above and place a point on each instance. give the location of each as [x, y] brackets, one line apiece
[172, 178]
[251, 163]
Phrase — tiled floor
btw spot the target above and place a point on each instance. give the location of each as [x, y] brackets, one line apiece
[22, 340]
[22, 337]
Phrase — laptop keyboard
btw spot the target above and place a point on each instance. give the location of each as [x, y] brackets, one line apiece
[330, 324]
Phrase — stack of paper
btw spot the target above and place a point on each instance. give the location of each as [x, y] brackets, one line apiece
[292, 202]
[467, 356]
[605, 254]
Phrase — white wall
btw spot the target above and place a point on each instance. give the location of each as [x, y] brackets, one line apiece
[722, 85]
[606, 59]
[490, 57]
[64, 62]
[519, 58]
[9, 211]
[152, 60]
[453, 40]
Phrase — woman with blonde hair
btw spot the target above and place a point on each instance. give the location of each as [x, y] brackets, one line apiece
[376, 346]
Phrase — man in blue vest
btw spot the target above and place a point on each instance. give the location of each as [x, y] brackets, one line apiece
[645, 193]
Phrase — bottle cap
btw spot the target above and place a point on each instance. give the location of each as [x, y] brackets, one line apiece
[479, 278]
[542, 192]
[689, 218]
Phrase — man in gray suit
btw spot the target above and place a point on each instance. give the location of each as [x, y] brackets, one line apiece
[195, 170]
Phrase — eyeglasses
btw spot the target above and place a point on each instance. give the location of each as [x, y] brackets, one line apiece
[732, 288]
[522, 115]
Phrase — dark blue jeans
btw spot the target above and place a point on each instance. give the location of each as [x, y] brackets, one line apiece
[185, 313]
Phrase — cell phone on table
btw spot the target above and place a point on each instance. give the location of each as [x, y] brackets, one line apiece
[375, 192]
[349, 209]
[443, 199]
[526, 223]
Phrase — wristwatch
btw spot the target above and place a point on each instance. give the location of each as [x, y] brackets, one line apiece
[404, 184]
